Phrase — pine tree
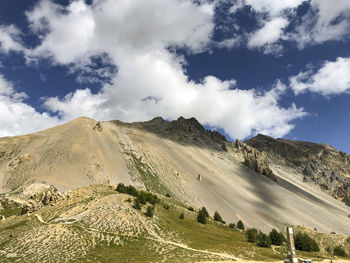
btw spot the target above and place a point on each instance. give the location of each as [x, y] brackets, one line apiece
[251, 235]
[276, 237]
[217, 217]
[205, 212]
[304, 242]
[240, 225]
[263, 240]
[137, 204]
[339, 251]
[201, 218]
[150, 211]
[121, 188]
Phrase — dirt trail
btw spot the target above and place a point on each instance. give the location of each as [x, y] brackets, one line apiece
[156, 238]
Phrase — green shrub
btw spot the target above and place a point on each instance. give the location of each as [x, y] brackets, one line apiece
[121, 188]
[218, 218]
[201, 217]
[142, 197]
[190, 208]
[128, 200]
[263, 240]
[276, 237]
[205, 212]
[304, 242]
[339, 251]
[166, 206]
[167, 195]
[131, 190]
[232, 225]
[145, 197]
[152, 198]
[137, 204]
[150, 211]
[182, 216]
[251, 235]
[240, 225]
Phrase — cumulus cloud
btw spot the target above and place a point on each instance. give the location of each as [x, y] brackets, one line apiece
[150, 80]
[331, 79]
[16, 116]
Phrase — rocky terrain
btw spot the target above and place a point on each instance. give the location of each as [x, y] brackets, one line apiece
[180, 158]
[319, 164]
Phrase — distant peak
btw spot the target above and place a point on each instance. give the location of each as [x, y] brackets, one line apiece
[190, 124]
[157, 119]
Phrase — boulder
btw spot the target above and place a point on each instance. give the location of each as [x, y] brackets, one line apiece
[97, 127]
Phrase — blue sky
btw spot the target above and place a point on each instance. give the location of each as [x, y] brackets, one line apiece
[243, 67]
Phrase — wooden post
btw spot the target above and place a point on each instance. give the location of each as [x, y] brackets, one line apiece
[291, 256]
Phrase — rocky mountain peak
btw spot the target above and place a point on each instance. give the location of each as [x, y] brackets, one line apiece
[181, 129]
[318, 163]
[187, 125]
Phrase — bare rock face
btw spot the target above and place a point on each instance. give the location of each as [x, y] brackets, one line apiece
[319, 164]
[29, 207]
[36, 196]
[97, 127]
[254, 160]
[182, 130]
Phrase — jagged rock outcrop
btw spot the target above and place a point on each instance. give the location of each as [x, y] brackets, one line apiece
[320, 164]
[97, 127]
[185, 130]
[254, 160]
[36, 196]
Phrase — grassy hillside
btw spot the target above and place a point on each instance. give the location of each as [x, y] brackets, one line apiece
[98, 224]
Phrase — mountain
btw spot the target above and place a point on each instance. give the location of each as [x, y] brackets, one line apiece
[180, 158]
[319, 164]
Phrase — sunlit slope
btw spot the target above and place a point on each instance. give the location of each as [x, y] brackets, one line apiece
[75, 154]
[66, 156]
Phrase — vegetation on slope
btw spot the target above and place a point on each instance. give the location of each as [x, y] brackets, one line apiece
[99, 224]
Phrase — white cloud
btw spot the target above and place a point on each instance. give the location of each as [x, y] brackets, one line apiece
[150, 80]
[268, 34]
[272, 16]
[16, 116]
[112, 26]
[272, 7]
[331, 79]
[9, 39]
[229, 43]
[325, 21]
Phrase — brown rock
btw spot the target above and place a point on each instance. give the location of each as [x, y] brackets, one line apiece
[97, 127]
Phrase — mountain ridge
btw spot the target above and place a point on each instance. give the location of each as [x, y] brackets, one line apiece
[320, 164]
[180, 158]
